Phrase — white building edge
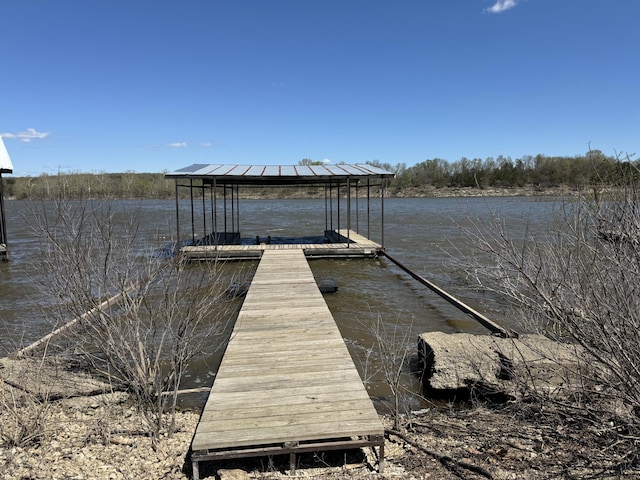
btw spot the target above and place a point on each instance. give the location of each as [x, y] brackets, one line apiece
[5, 167]
[5, 162]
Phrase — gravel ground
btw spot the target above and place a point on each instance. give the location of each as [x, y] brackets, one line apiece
[78, 434]
[93, 438]
[101, 437]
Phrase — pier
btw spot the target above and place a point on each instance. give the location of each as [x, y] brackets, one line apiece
[336, 244]
[286, 383]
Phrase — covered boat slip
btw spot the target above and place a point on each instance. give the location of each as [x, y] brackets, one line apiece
[286, 383]
[214, 193]
[338, 244]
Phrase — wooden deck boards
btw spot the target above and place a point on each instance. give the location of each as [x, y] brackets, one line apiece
[359, 246]
[286, 379]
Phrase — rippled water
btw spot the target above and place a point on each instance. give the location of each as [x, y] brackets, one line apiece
[424, 234]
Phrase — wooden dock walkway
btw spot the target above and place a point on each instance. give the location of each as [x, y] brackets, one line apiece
[287, 383]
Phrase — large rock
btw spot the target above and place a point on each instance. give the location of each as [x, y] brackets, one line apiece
[462, 364]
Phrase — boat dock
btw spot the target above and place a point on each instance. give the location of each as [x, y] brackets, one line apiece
[286, 383]
[339, 243]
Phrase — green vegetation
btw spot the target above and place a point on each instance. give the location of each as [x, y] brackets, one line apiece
[89, 185]
[539, 172]
[593, 168]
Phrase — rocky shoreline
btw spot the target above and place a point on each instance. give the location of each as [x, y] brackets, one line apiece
[427, 191]
[98, 438]
[102, 436]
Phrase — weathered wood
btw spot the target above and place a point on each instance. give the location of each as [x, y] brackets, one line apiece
[287, 396]
[286, 376]
[186, 391]
[254, 435]
[483, 320]
[91, 313]
[114, 300]
[359, 246]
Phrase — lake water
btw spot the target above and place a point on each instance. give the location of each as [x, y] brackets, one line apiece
[425, 234]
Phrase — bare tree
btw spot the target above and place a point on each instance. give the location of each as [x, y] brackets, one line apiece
[161, 313]
[388, 360]
[579, 282]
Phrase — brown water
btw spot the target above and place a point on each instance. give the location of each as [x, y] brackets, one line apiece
[421, 233]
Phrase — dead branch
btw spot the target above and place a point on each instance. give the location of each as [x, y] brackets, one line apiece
[444, 459]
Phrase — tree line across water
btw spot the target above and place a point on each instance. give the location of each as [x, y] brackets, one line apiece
[540, 172]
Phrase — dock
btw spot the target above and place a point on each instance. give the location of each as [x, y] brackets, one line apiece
[340, 243]
[286, 383]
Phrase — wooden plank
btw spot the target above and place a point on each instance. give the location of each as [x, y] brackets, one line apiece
[277, 382]
[286, 397]
[292, 410]
[291, 433]
[231, 427]
[264, 359]
[286, 375]
[326, 365]
[265, 325]
[359, 246]
[291, 402]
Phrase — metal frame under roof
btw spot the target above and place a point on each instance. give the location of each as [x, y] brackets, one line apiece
[278, 174]
[218, 189]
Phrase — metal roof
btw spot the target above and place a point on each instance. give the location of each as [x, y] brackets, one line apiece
[5, 162]
[278, 174]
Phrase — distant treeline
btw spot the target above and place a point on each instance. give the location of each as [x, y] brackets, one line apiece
[90, 185]
[593, 168]
[541, 172]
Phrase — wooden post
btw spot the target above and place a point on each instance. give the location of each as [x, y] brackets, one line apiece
[484, 321]
[76, 321]
[90, 314]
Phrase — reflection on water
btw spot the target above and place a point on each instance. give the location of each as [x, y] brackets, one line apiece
[421, 233]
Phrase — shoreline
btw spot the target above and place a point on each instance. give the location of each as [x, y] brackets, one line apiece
[102, 436]
[408, 193]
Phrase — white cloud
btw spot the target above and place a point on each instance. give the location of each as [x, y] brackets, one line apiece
[502, 5]
[177, 145]
[326, 160]
[27, 135]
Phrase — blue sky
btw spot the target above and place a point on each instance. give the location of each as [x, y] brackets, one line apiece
[114, 85]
